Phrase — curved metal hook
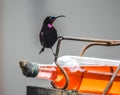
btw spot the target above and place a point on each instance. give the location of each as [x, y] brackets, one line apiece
[109, 43]
[92, 44]
[61, 69]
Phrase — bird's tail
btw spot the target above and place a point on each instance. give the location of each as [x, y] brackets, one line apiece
[42, 50]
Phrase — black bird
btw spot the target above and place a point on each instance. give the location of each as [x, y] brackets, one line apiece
[48, 34]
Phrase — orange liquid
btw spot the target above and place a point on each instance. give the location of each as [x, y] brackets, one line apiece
[93, 80]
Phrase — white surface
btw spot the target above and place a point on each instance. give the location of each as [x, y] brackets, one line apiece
[69, 60]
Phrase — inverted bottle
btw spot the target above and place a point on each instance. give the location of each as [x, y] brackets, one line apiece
[84, 73]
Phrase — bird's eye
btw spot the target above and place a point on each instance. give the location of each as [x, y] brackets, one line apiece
[51, 17]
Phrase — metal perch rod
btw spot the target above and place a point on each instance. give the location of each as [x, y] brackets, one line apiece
[90, 40]
[96, 42]
[102, 42]
[111, 81]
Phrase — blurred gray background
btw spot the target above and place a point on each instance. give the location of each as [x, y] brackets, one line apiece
[21, 21]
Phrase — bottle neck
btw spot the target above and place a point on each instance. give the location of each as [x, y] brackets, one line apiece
[31, 69]
[47, 72]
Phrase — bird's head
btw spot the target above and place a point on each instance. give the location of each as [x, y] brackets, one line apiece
[51, 19]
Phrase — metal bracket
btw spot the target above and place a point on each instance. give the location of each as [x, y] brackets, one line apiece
[100, 42]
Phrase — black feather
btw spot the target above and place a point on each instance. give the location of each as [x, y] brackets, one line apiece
[48, 34]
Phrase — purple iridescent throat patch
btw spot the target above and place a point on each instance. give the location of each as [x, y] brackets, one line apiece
[50, 25]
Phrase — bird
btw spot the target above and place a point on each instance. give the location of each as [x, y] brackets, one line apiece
[48, 34]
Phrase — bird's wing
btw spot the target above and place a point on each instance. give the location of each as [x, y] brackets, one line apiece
[41, 36]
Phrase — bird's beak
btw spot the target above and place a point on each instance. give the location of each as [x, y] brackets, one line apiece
[60, 16]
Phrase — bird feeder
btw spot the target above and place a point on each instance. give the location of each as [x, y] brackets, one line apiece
[114, 73]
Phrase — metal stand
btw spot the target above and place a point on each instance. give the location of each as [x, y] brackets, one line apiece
[94, 42]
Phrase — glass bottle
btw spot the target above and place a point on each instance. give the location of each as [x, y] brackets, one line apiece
[85, 74]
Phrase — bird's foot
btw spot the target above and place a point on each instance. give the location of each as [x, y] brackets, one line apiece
[60, 37]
